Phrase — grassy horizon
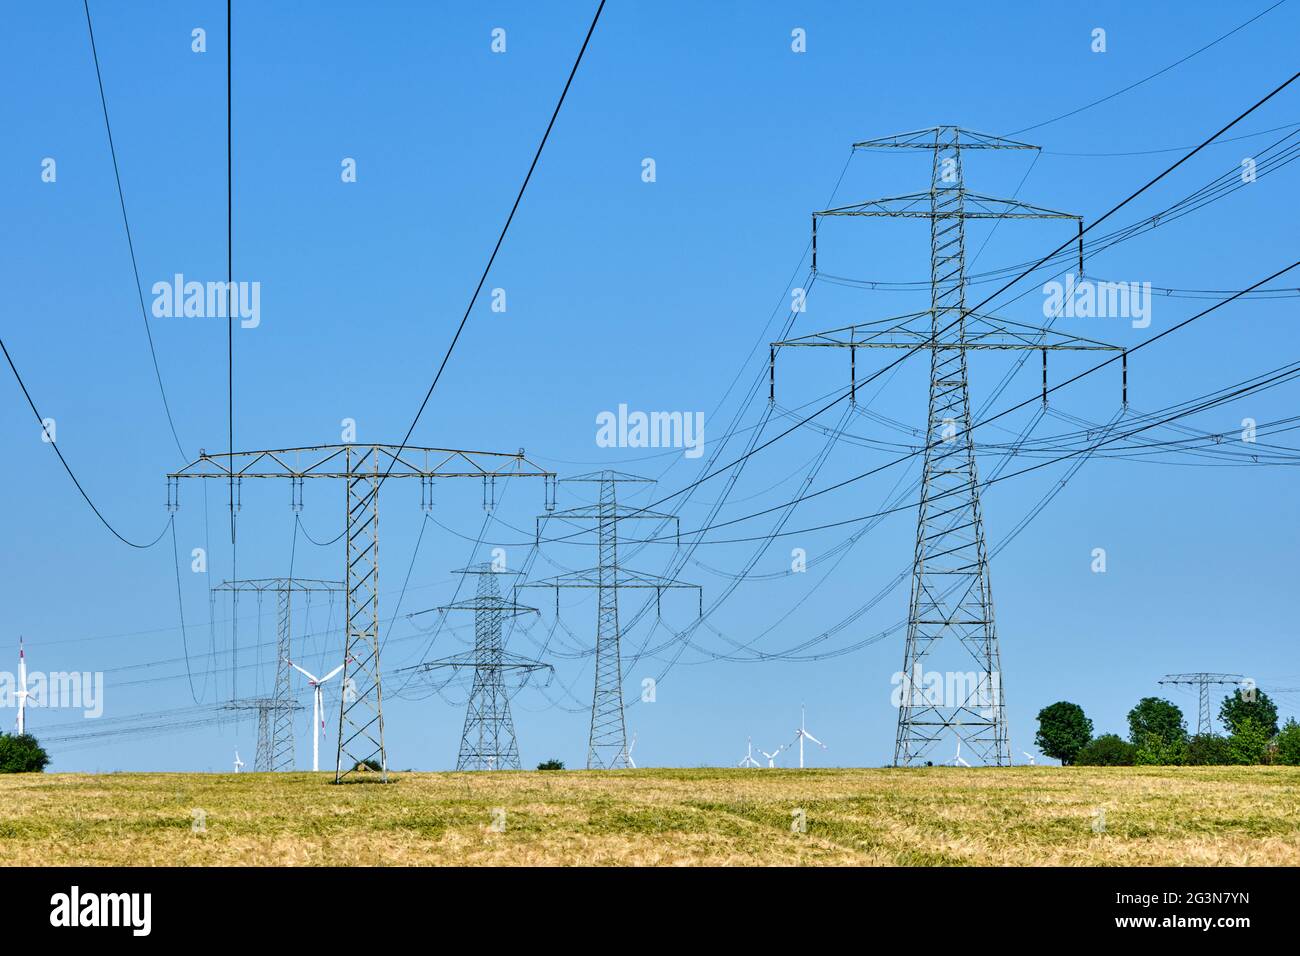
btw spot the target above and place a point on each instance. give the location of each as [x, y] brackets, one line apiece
[1213, 816]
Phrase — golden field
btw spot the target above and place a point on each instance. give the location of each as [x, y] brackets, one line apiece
[1219, 816]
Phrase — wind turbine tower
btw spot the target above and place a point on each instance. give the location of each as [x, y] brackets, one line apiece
[23, 694]
[802, 734]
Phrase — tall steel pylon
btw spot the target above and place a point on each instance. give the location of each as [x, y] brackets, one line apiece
[607, 740]
[275, 722]
[488, 740]
[363, 469]
[951, 596]
[1203, 682]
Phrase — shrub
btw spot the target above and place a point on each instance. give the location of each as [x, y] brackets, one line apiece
[21, 754]
[1288, 744]
[551, 764]
[1208, 750]
[1108, 750]
[1156, 751]
[1249, 743]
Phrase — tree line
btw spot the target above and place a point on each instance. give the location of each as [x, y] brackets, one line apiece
[1157, 735]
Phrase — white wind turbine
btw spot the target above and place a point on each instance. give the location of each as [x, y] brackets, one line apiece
[1030, 756]
[771, 757]
[318, 707]
[23, 692]
[628, 753]
[238, 763]
[801, 733]
[749, 760]
[957, 761]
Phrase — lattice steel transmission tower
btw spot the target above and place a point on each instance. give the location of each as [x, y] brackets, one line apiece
[607, 742]
[363, 469]
[488, 740]
[271, 712]
[275, 739]
[951, 600]
[1203, 682]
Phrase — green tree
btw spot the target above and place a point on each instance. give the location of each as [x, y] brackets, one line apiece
[551, 764]
[1063, 730]
[1155, 716]
[1207, 750]
[1288, 743]
[1249, 743]
[1250, 703]
[20, 753]
[1108, 750]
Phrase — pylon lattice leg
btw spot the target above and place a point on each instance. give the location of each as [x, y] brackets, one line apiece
[951, 602]
[281, 736]
[262, 759]
[361, 715]
[607, 744]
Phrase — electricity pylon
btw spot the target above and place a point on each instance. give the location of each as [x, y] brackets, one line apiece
[276, 751]
[951, 596]
[362, 469]
[607, 741]
[1203, 682]
[271, 713]
[488, 740]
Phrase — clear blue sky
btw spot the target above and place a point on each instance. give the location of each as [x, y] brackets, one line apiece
[619, 291]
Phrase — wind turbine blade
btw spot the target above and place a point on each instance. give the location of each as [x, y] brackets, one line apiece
[310, 676]
[330, 674]
[814, 740]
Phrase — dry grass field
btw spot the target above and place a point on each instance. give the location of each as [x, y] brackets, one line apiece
[1221, 816]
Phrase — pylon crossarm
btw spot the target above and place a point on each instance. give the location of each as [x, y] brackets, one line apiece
[915, 329]
[933, 137]
[324, 461]
[470, 660]
[623, 578]
[279, 584]
[612, 513]
[1201, 679]
[498, 605]
[958, 204]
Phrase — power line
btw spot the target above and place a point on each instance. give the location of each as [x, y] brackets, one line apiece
[64, 462]
[500, 239]
[1145, 79]
[974, 309]
[130, 243]
[1017, 406]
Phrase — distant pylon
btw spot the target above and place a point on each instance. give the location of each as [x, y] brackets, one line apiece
[488, 740]
[275, 722]
[607, 740]
[951, 595]
[1203, 682]
[363, 469]
[269, 712]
